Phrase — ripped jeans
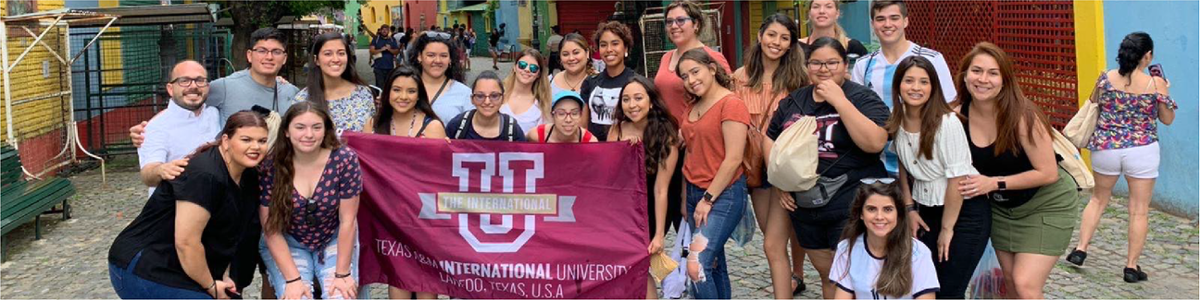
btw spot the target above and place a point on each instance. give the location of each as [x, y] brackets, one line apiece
[722, 219]
[310, 267]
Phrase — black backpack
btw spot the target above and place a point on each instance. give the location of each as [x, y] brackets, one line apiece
[506, 126]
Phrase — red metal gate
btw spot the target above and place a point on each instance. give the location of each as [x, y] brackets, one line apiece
[1038, 35]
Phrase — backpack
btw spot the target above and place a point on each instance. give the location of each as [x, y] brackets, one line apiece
[1070, 160]
[506, 126]
[792, 165]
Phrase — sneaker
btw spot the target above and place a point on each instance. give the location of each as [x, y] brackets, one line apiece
[1076, 257]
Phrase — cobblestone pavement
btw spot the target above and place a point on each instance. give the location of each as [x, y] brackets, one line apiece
[70, 261]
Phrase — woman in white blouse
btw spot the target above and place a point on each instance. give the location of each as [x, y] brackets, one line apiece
[929, 139]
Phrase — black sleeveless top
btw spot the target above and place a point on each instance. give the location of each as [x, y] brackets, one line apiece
[1007, 163]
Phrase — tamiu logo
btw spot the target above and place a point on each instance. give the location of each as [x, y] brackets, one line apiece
[507, 204]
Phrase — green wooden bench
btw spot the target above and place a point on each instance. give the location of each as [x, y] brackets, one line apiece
[25, 200]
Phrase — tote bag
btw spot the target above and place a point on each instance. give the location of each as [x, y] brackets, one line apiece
[1079, 130]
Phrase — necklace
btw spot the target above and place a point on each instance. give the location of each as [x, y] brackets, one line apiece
[411, 124]
[573, 87]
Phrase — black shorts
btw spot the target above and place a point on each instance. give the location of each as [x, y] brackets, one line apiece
[819, 228]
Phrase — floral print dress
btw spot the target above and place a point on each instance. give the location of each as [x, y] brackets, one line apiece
[349, 113]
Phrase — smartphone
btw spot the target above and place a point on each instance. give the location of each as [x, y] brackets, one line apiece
[1157, 70]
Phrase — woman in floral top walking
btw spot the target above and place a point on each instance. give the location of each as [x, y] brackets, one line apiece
[1126, 143]
[336, 86]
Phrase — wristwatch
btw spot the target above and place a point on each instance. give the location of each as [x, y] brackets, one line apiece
[708, 198]
[1001, 185]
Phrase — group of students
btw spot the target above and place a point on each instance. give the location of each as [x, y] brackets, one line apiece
[972, 157]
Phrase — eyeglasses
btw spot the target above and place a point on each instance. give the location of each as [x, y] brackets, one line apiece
[562, 113]
[532, 68]
[676, 21]
[311, 213]
[829, 65]
[187, 82]
[482, 97]
[264, 51]
[877, 180]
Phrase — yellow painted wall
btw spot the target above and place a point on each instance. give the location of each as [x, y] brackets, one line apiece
[33, 118]
[756, 18]
[376, 13]
[525, 16]
[1089, 51]
[111, 62]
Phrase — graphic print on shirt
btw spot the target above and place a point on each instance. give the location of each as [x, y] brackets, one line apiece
[603, 103]
[825, 124]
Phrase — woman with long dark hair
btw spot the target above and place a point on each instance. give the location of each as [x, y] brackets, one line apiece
[602, 92]
[185, 239]
[434, 57]
[643, 117]
[850, 136]
[1126, 143]
[334, 84]
[310, 189]
[528, 91]
[408, 104]
[1034, 201]
[715, 131]
[774, 67]
[877, 256]
[928, 137]
[685, 22]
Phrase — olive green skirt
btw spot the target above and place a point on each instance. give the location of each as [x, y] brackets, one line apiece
[1043, 225]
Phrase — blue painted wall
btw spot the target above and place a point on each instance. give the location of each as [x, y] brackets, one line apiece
[507, 13]
[856, 20]
[1175, 47]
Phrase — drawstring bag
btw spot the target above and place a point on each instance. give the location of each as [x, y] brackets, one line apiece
[675, 283]
[792, 165]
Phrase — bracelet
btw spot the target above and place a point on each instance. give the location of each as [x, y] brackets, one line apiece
[336, 275]
[212, 286]
[293, 280]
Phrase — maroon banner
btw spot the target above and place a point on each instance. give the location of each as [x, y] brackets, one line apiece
[482, 219]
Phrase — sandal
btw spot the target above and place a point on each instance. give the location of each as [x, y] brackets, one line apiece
[799, 281]
[1076, 257]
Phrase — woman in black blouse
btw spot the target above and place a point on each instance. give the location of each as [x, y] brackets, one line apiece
[184, 241]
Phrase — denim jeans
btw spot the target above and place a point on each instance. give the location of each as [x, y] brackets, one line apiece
[131, 286]
[722, 219]
[308, 264]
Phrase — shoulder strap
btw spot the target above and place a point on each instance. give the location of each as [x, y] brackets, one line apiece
[587, 135]
[867, 71]
[462, 124]
[439, 92]
[424, 124]
[541, 132]
[507, 131]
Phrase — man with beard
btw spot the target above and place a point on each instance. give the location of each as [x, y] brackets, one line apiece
[187, 123]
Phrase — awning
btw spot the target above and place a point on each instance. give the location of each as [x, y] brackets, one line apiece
[152, 15]
[476, 7]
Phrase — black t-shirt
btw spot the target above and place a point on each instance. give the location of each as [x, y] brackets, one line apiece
[495, 38]
[854, 49]
[836, 151]
[508, 128]
[233, 212]
[602, 94]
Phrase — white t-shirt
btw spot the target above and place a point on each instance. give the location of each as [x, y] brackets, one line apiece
[880, 72]
[859, 279]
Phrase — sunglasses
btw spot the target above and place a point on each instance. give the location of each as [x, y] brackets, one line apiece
[532, 68]
[676, 21]
[311, 213]
[877, 180]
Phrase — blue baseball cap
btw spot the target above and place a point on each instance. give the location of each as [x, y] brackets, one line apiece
[567, 95]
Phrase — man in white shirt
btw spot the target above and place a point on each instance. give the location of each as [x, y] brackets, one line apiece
[186, 124]
[877, 69]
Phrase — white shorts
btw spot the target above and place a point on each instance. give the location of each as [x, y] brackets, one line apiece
[1137, 162]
